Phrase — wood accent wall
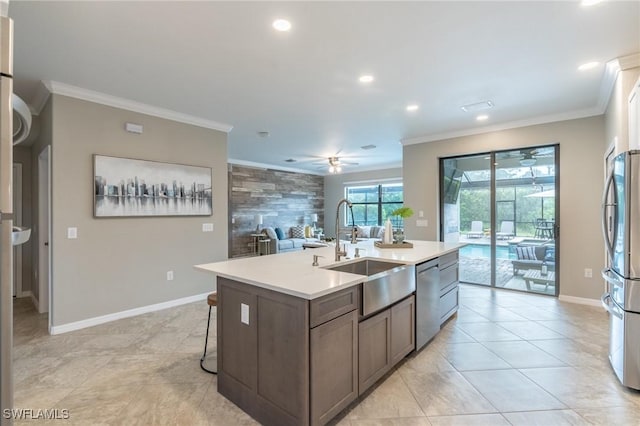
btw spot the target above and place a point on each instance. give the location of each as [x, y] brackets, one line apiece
[284, 199]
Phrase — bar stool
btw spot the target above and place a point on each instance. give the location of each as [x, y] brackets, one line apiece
[212, 300]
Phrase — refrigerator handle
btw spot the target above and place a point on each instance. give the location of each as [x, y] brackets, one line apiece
[608, 241]
[613, 310]
[607, 277]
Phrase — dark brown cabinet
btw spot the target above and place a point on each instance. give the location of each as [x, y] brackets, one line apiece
[286, 360]
[403, 329]
[449, 281]
[384, 340]
[374, 354]
[334, 366]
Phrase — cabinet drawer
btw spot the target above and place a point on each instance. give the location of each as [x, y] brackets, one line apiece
[448, 304]
[448, 259]
[333, 305]
[448, 276]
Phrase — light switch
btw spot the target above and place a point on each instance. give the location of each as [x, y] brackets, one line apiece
[244, 313]
[207, 227]
[421, 213]
[72, 233]
[422, 223]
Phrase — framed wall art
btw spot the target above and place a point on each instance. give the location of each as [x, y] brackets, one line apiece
[125, 187]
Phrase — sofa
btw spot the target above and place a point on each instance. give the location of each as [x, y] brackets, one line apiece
[533, 256]
[369, 232]
[293, 239]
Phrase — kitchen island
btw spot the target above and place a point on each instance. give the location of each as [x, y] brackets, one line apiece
[298, 343]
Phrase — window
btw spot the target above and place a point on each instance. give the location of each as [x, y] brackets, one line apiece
[372, 204]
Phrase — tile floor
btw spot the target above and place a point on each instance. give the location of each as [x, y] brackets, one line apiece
[506, 359]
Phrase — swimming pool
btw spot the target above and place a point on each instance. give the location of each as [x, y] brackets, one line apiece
[484, 250]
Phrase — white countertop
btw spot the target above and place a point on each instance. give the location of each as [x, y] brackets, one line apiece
[292, 273]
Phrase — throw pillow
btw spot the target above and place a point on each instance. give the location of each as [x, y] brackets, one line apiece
[526, 253]
[308, 233]
[270, 233]
[297, 232]
[375, 231]
[363, 231]
[280, 234]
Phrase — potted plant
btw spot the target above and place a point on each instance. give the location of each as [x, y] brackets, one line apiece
[404, 213]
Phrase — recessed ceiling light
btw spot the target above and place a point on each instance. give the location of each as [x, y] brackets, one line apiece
[588, 66]
[263, 134]
[482, 117]
[589, 2]
[366, 79]
[412, 107]
[281, 25]
[366, 147]
[478, 106]
[289, 160]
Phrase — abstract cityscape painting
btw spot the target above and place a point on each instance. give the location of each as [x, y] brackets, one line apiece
[126, 187]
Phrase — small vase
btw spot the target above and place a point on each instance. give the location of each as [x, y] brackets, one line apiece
[398, 236]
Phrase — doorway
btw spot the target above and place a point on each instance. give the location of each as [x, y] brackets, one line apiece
[44, 232]
[503, 204]
[17, 221]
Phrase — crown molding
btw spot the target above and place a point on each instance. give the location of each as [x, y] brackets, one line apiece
[629, 61]
[257, 165]
[309, 172]
[572, 115]
[608, 83]
[40, 98]
[58, 88]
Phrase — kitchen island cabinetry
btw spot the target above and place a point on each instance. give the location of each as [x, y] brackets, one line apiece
[384, 340]
[294, 346]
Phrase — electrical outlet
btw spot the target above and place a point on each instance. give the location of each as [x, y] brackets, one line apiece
[72, 233]
[588, 273]
[169, 275]
[244, 313]
[207, 227]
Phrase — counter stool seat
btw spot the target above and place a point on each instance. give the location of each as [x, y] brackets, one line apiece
[212, 300]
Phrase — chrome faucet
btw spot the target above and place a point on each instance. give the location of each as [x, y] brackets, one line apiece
[353, 229]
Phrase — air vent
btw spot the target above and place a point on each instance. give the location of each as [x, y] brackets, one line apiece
[367, 147]
[478, 106]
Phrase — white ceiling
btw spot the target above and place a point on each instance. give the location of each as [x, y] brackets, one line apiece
[223, 62]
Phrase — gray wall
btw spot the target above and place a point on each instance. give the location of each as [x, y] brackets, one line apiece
[581, 184]
[45, 136]
[616, 116]
[284, 199]
[334, 190]
[118, 264]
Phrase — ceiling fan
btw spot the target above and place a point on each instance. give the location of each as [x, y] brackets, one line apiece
[335, 164]
[529, 158]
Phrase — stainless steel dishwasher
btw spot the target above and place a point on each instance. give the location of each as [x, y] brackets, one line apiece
[427, 302]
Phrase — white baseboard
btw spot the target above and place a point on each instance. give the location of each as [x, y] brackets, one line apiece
[34, 300]
[25, 294]
[580, 300]
[90, 322]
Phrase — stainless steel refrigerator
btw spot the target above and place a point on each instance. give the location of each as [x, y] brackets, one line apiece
[621, 230]
[6, 218]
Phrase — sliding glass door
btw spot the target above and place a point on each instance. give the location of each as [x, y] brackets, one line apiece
[503, 205]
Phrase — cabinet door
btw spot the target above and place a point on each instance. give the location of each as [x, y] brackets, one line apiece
[402, 329]
[334, 367]
[374, 355]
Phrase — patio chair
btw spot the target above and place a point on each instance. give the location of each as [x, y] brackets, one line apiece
[506, 230]
[476, 230]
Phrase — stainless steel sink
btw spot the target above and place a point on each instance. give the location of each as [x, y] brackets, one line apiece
[386, 282]
[366, 267]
